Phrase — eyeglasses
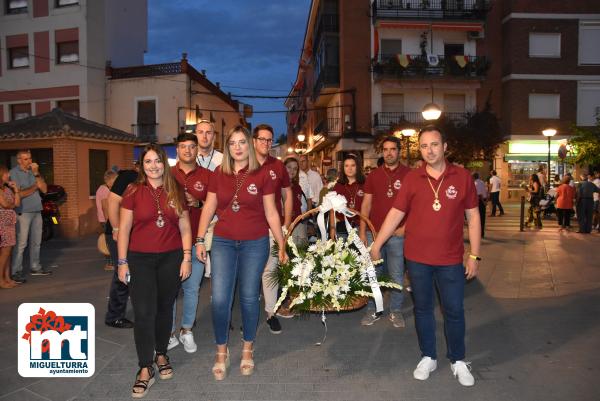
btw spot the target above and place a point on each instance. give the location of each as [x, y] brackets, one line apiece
[264, 141]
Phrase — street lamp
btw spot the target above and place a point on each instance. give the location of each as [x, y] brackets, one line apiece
[549, 133]
[301, 137]
[431, 111]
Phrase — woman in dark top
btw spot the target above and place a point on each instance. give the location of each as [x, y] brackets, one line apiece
[155, 255]
[350, 184]
[535, 195]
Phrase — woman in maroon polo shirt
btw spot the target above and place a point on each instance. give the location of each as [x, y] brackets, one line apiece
[350, 184]
[153, 229]
[292, 167]
[243, 196]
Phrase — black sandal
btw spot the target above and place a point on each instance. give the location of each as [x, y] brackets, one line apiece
[144, 385]
[165, 370]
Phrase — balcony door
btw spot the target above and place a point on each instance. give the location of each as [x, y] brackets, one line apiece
[146, 119]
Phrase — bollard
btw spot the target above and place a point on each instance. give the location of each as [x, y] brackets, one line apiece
[522, 218]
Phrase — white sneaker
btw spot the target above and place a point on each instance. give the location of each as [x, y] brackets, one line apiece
[424, 368]
[187, 339]
[462, 371]
[173, 342]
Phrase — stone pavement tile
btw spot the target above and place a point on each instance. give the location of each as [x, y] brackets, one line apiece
[12, 381]
[574, 288]
[23, 395]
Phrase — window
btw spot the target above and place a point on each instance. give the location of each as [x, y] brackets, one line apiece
[146, 120]
[454, 49]
[588, 103]
[16, 6]
[392, 103]
[69, 106]
[454, 103]
[98, 164]
[18, 57]
[589, 37]
[390, 47]
[544, 45]
[67, 52]
[544, 105]
[66, 3]
[21, 110]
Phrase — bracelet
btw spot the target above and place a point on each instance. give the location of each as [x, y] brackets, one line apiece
[187, 251]
[199, 240]
[475, 257]
[188, 261]
[116, 229]
[36, 175]
[122, 262]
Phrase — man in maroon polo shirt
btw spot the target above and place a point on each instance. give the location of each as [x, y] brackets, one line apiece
[380, 189]
[193, 179]
[263, 139]
[435, 198]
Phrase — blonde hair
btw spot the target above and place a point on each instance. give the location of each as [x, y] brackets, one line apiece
[227, 165]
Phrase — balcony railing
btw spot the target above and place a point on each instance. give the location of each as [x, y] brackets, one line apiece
[411, 65]
[329, 77]
[431, 9]
[145, 132]
[329, 126]
[386, 120]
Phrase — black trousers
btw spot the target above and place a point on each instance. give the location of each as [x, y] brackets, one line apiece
[585, 214]
[482, 217]
[495, 197]
[564, 217]
[153, 285]
[119, 292]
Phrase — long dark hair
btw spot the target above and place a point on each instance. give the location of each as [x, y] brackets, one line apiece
[289, 160]
[170, 185]
[360, 176]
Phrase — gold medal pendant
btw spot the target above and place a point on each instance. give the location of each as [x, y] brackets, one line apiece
[436, 205]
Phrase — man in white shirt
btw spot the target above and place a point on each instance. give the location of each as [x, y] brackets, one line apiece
[495, 183]
[208, 158]
[314, 179]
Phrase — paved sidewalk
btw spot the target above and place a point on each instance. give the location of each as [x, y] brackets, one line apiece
[532, 334]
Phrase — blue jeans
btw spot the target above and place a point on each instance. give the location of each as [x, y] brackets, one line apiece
[242, 263]
[29, 230]
[450, 281]
[190, 288]
[392, 253]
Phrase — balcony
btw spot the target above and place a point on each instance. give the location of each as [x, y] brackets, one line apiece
[326, 23]
[470, 10]
[418, 66]
[329, 127]
[387, 120]
[329, 77]
[145, 132]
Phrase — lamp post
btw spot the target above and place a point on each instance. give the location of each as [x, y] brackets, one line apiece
[407, 133]
[549, 133]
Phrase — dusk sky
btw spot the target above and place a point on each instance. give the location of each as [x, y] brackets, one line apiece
[251, 47]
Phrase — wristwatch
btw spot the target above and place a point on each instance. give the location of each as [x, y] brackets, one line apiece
[475, 257]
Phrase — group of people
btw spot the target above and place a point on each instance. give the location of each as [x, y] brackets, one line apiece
[165, 223]
[20, 220]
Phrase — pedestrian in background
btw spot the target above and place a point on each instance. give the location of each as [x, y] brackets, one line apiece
[242, 195]
[102, 210]
[29, 216]
[313, 178]
[482, 195]
[495, 184]
[10, 198]
[300, 204]
[596, 219]
[535, 193]
[565, 195]
[155, 255]
[585, 204]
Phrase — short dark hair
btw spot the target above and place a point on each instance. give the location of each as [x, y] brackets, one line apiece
[186, 136]
[493, 172]
[430, 128]
[265, 127]
[476, 176]
[392, 139]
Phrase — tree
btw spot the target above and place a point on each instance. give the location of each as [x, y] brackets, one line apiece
[586, 144]
[477, 137]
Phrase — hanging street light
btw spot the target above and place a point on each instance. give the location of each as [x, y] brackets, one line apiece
[431, 111]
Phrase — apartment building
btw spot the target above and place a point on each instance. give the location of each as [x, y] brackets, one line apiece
[53, 53]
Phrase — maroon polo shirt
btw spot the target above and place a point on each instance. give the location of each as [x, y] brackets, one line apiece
[145, 235]
[436, 238]
[297, 200]
[378, 182]
[250, 222]
[196, 184]
[278, 173]
[354, 193]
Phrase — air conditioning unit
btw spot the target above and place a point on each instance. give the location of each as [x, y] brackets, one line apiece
[473, 35]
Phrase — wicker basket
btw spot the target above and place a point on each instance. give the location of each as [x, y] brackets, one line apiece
[357, 302]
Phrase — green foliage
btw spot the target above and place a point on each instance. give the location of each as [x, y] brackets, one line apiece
[586, 144]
